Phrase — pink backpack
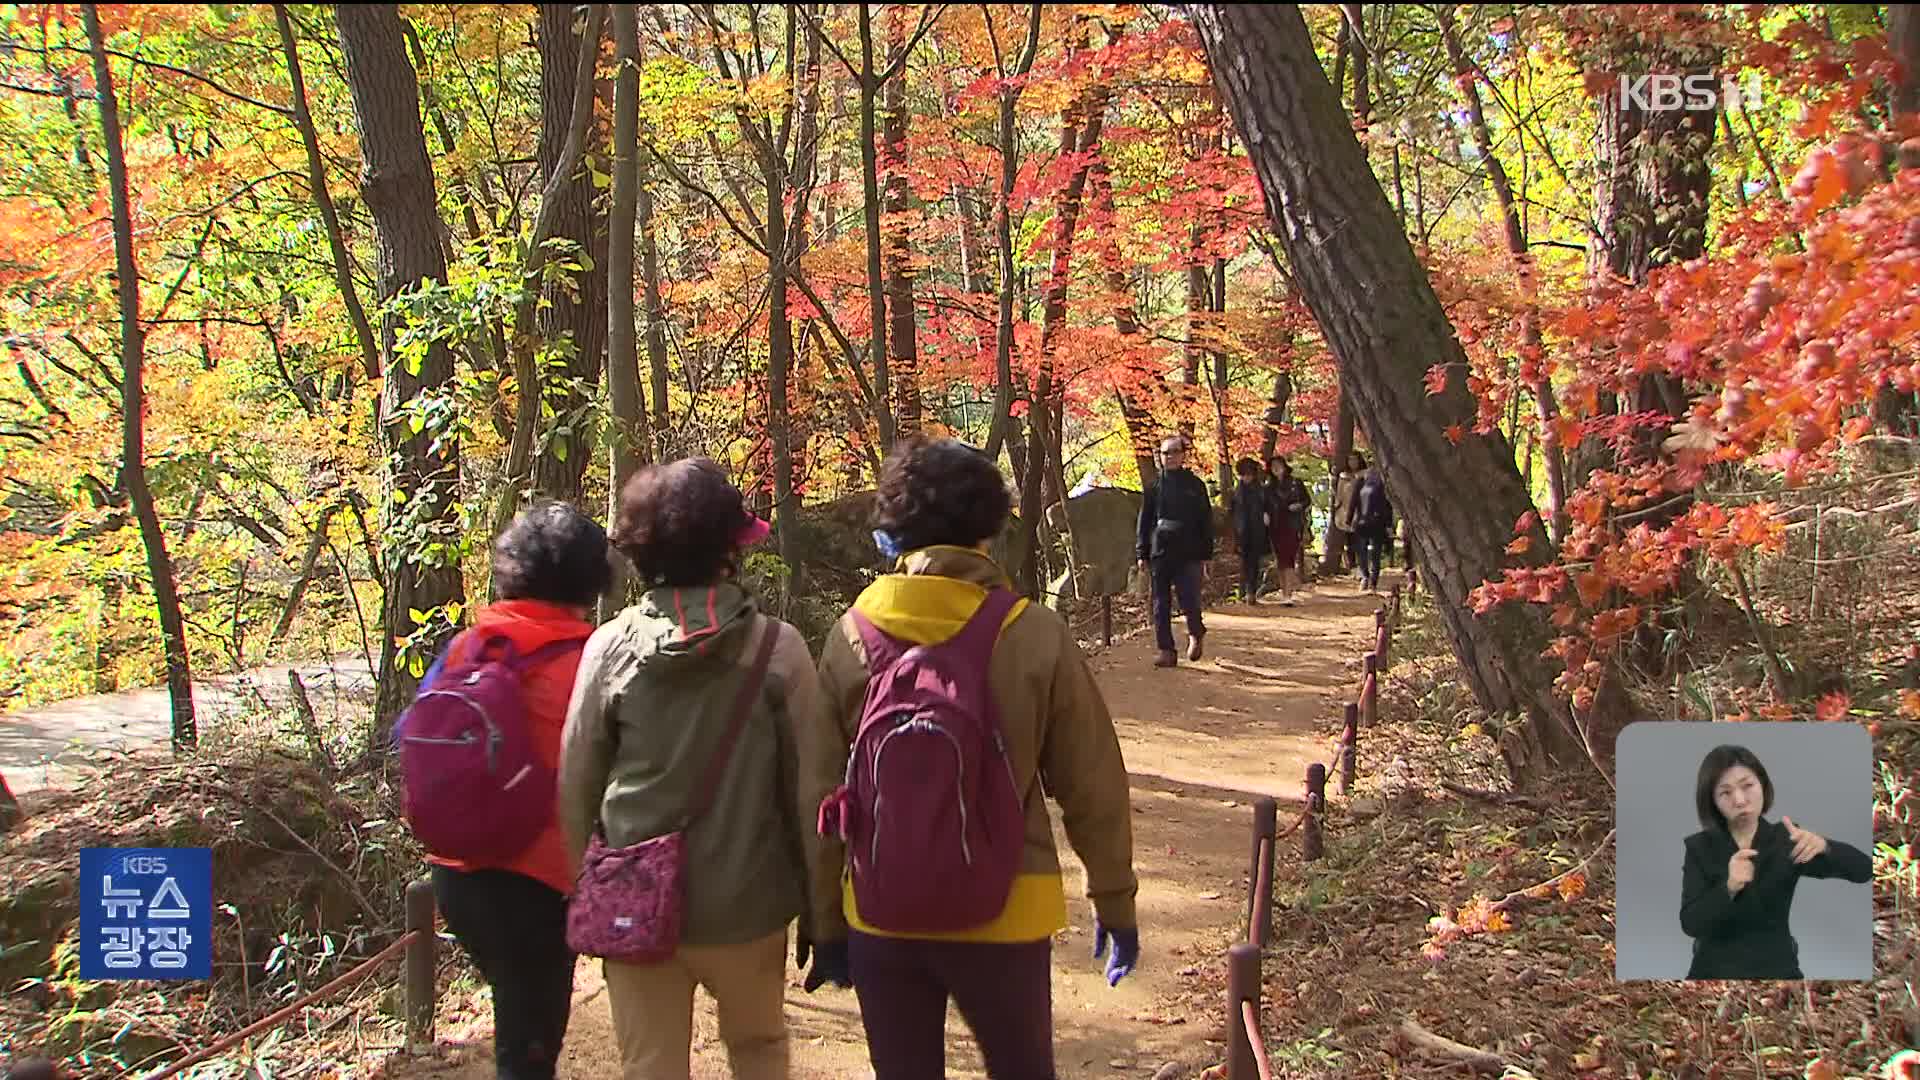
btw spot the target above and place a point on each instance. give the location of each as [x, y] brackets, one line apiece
[475, 788]
[933, 819]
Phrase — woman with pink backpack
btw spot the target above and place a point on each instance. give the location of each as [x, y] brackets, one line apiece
[506, 900]
[960, 707]
[696, 751]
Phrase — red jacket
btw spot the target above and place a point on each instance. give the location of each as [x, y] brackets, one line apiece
[546, 688]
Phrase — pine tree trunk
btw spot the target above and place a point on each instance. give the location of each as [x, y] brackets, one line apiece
[396, 183]
[579, 315]
[1347, 250]
[133, 403]
[1224, 469]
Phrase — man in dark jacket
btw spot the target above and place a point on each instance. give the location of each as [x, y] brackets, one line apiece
[1175, 541]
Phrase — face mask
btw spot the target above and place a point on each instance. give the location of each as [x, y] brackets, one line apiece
[889, 547]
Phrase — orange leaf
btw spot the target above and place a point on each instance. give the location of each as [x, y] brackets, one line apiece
[1455, 433]
[1910, 703]
[1520, 545]
[1573, 886]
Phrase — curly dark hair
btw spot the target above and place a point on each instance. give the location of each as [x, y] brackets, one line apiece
[678, 522]
[1246, 467]
[1718, 761]
[552, 552]
[940, 492]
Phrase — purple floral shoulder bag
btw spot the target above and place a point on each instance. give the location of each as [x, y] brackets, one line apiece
[629, 903]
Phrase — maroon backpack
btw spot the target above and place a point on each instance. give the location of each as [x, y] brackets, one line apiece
[475, 788]
[933, 819]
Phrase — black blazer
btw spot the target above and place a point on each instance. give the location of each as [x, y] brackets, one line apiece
[1747, 936]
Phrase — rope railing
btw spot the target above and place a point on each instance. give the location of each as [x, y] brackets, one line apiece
[1246, 1049]
[420, 945]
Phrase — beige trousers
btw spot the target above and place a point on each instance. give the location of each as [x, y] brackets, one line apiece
[653, 1009]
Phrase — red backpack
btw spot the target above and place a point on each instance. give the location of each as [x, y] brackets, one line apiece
[475, 788]
[933, 819]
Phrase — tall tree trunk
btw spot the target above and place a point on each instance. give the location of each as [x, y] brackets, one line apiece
[1009, 147]
[1199, 306]
[663, 443]
[1224, 471]
[396, 183]
[1464, 71]
[323, 199]
[631, 442]
[578, 315]
[876, 283]
[133, 402]
[1276, 416]
[531, 329]
[1045, 450]
[1346, 249]
[1137, 416]
[903, 353]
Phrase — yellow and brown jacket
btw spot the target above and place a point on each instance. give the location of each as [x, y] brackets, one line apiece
[1059, 736]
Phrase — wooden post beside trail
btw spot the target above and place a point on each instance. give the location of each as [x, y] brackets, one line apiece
[1311, 844]
[1381, 635]
[422, 967]
[1243, 984]
[1370, 691]
[1349, 748]
[1106, 618]
[1260, 870]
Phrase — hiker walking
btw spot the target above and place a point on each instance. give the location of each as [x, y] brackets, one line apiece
[1250, 530]
[956, 697]
[1287, 503]
[1346, 488]
[505, 896]
[1373, 525]
[1174, 544]
[696, 738]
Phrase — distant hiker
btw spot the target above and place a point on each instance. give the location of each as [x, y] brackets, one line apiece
[1373, 525]
[965, 705]
[1174, 545]
[1287, 505]
[696, 734]
[509, 910]
[1249, 514]
[1346, 488]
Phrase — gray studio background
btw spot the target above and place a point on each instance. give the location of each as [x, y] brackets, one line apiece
[1822, 778]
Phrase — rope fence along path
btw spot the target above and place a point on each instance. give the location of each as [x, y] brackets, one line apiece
[421, 947]
[1246, 1050]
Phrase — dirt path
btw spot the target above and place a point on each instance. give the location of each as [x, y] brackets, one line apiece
[1201, 742]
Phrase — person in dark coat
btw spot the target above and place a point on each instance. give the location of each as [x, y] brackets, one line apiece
[1372, 525]
[1174, 544]
[1287, 505]
[1736, 892]
[1249, 509]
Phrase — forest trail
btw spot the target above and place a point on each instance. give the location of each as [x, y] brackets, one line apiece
[1202, 741]
[55, 745]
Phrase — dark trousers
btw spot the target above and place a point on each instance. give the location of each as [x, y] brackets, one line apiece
[1004, 993]
[1353, 550]
[1170, 577]
[1252, 563]
[515, 929]
[1373, 544]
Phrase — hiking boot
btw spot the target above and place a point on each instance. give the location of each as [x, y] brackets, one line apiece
[1193, 646]
[1165, 659]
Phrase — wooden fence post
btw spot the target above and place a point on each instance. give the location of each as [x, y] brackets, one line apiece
[1260, 908]
[10, 812]
[1370, 691]
[1243, 984]
[1382, 634]
[1350, 747]
[422, 967]
[1311, 846]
